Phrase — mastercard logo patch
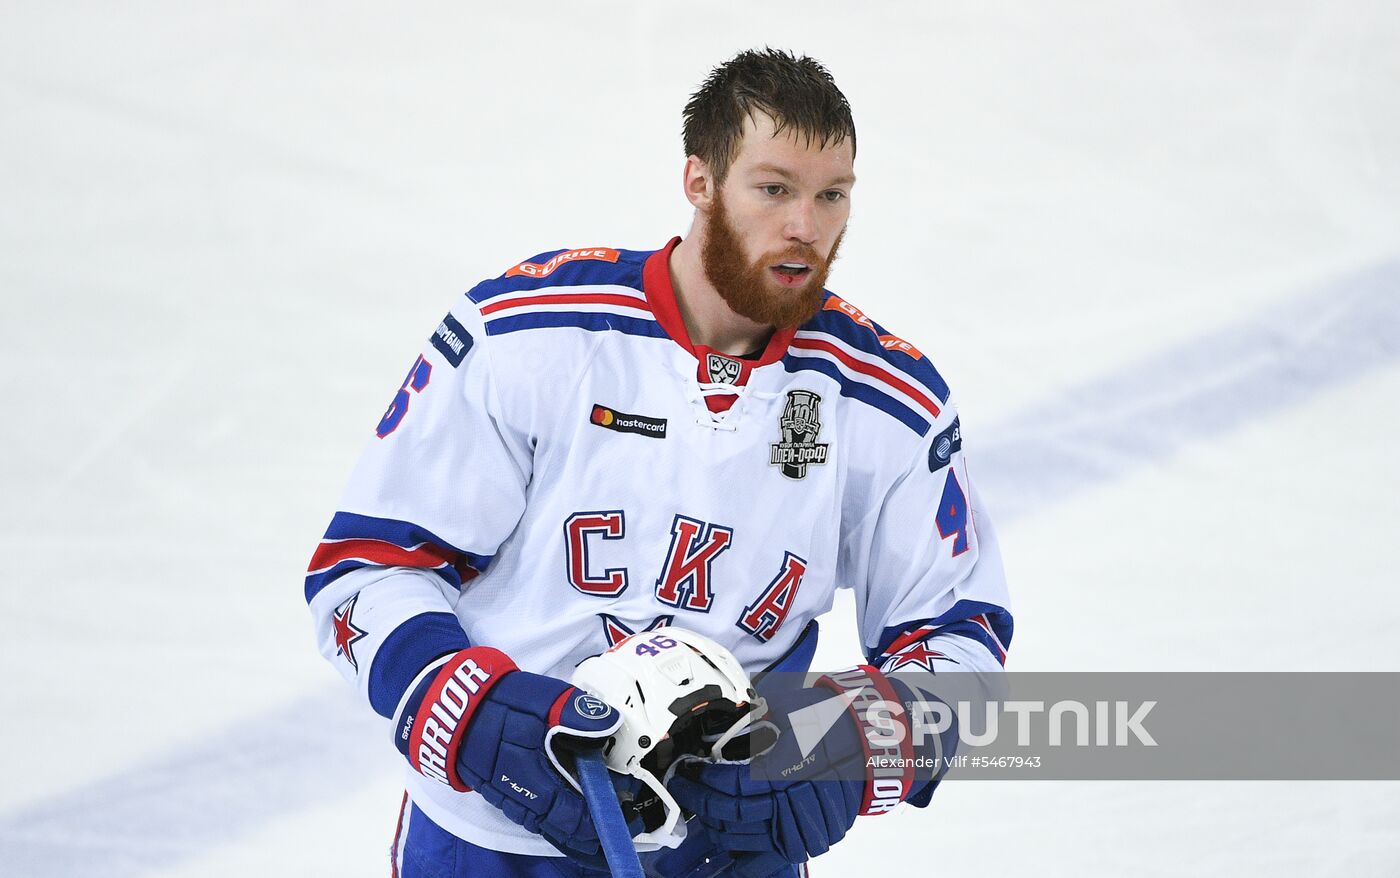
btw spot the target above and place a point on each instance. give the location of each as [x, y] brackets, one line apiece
[622, 422]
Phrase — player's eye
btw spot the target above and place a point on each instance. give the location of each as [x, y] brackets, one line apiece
[833, 195]
[773, 189]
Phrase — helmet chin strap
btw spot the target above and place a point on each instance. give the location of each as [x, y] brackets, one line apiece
[762, 734]
[672, 832]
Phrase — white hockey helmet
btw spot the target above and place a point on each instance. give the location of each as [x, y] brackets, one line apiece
[681, 696]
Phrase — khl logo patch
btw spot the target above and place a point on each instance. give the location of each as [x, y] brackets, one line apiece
[723, 370]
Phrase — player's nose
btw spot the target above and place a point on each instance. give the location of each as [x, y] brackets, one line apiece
[802, 223]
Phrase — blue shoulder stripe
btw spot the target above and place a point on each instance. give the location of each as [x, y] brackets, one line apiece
[859, 390]
[593, 321]
[553, 268]
[867, 340]
[404, 534]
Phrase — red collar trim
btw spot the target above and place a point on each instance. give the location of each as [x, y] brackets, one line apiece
[656, 283]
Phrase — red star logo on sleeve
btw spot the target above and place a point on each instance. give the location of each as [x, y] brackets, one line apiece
[918, 655]
[346, 633]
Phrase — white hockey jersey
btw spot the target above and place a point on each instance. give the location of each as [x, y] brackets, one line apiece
[562, 467]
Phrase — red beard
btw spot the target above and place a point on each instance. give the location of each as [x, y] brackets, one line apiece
[747, 287]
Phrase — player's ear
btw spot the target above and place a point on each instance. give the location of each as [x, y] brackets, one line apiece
[698, 183]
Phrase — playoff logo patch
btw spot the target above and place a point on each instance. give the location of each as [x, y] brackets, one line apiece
[798, 426]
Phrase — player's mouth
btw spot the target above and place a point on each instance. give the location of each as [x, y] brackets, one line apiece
[791, 274]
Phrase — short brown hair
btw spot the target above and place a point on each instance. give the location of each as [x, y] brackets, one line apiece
[797, 92]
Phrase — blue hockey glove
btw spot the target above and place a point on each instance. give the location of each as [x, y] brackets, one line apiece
[758, 818]
[802, 796]
[702, 855]
[476, 722]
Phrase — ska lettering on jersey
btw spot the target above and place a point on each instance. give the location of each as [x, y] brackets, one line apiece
[686, 577]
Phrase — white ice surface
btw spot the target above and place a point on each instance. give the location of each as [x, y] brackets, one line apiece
[1154, 247]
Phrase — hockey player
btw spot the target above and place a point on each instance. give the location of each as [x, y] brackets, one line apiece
[604, 441]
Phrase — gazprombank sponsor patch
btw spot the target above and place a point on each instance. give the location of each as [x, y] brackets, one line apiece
[621, 422]
[452, 341]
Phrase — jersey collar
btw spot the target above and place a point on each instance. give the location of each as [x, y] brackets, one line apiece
[661, 296]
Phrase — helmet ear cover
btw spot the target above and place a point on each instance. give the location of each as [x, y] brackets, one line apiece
[695, 731]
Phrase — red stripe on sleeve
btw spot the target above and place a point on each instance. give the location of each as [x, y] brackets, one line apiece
[568, 299]
[904, 640]
[329, 554]
[814, 344]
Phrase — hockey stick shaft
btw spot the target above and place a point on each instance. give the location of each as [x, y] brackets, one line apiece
[607, 816]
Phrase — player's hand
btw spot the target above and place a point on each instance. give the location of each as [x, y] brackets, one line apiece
[802, 796]
[758, 818]
[479, 723]
[759, 812]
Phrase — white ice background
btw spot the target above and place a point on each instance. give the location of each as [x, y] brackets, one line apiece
[1153, 246]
